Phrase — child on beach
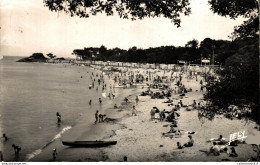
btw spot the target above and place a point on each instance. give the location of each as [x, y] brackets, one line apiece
[17, 149]
[180, 103]
[101, 117]
[194, 105]
[96, 117]
[126, 100]
[162, 115]
[136, 100]
[179, 145]
[5, 137]
[232, 153]
[133, 111]
[190, 142]
[152, 112]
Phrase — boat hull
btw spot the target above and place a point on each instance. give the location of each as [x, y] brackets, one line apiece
[89, 143]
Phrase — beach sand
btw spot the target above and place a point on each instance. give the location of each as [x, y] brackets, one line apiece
[140, 138]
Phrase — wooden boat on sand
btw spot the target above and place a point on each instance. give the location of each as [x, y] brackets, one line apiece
[89, 143]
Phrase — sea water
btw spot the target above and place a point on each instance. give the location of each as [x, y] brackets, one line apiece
[30, 96]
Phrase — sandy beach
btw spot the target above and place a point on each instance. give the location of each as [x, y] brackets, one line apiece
[129, 81]
[140, 139]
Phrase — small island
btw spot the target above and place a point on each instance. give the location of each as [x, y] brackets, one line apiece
[35, 57]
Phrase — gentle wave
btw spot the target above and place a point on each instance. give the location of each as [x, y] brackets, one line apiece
[38, 151]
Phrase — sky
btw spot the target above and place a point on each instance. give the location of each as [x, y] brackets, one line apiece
[28, 27]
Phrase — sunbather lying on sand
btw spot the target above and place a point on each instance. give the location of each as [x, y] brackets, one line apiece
[172, 133]
[213, 149]
[168, 101]
[172, 130]
[220, 140]
[216, 150]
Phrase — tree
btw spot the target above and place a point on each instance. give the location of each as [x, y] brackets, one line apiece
[238, 83]
[206, 47]
[38, 56]
[191, 51]
[51, 55]
[83, 53]
[133, 9]
[192, 44]
[102, 50]
[234, 8]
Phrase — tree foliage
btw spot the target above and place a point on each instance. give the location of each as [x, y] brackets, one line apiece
[126, 9]
[238, 83]
[164, 54]
[51, 55]
[38, 56]
[192, 44]
[83, 53]
[234, 8]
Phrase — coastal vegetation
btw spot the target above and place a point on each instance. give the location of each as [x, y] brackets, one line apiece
[238, 83]
[35, 57]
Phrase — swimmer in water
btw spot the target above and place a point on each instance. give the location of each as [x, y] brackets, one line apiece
[58, 117]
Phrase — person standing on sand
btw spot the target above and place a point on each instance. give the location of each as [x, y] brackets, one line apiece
[90, 102]
[201, 88]
[17, 149]
[5, 137]
[152, 112]
[100, 101]
[126, 100]
[136, 100]
[133, 111]
[96, 117]
[162, 115]
[194, 105]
